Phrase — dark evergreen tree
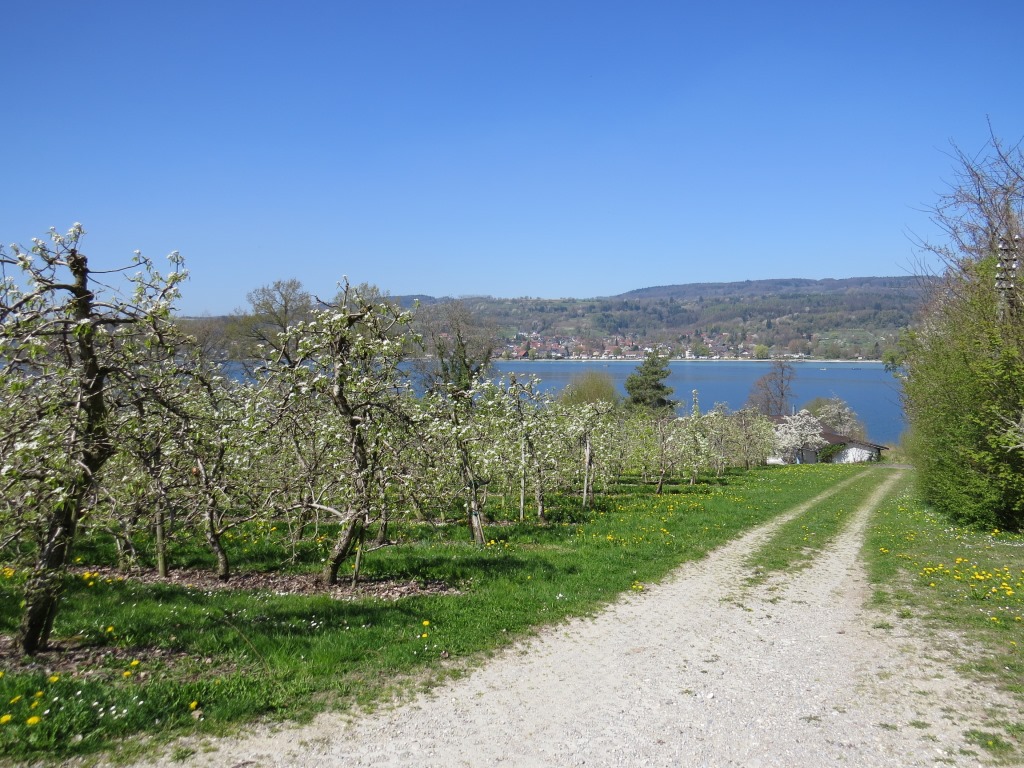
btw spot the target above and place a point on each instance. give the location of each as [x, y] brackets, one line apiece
[646, 385]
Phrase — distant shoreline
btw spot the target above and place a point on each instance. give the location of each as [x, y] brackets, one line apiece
[637, 360]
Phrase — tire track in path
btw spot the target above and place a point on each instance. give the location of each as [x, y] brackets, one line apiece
[701, 670]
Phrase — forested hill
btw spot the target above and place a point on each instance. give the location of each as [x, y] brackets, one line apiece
[788, 288]
[847, 317]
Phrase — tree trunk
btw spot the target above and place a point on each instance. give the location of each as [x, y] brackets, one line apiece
[360, 548]
[46, 583]
[127, 554]
[476, 523]
[473, 505]
[341, 550]
[382, 532]
[538, 494]
[213, 538]
[44, 587]
[588, 461]
[161, 544]
[298, 527]
[522, 479]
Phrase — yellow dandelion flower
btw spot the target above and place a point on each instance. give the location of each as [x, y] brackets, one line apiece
[110, 629]
[53, 678]
[426, 623]
[135, 663]
[15, 700]
[34, 720]
[193, 705]
[5, 719]
[424, 635]
[126, 673]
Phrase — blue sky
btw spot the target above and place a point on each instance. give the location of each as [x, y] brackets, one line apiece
[450, 147]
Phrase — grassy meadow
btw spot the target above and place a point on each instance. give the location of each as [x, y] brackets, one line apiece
[966, 587]
[143, 662]
[165, 659]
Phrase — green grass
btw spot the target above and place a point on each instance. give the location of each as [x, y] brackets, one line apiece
[959, 580]
[168, 660]
[796, 542]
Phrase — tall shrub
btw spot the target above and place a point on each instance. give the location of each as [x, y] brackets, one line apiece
[963, 366]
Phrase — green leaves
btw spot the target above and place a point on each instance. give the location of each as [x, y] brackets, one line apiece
[647, 387]
[963, 368]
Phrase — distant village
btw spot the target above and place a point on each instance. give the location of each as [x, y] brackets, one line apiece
[534, 346]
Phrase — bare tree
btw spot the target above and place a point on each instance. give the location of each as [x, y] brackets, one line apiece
[458, 346]
[772, 393]
[210, 334]
[272, 310]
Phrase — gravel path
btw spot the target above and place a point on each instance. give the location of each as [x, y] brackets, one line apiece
[702, 670]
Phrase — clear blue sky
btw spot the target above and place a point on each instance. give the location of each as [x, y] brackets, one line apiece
[458, 147]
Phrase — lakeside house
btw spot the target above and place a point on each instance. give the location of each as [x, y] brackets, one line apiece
[838, 449]
[842, 449]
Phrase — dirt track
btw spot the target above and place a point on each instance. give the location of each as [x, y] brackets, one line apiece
[702, 670]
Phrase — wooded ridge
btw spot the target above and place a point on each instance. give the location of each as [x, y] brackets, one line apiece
[848, 317]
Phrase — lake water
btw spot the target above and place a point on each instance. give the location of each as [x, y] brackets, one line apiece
[867, 387]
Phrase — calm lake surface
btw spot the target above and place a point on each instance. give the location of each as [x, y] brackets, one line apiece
[868, 388]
